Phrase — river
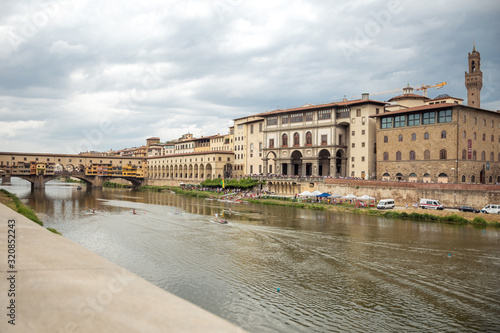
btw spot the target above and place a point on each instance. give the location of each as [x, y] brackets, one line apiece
[335, 272]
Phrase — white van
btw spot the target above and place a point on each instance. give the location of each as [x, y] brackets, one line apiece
[430, 204]
[491, 209]
[385, 204]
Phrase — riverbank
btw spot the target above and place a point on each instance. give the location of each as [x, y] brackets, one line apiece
[55, 285]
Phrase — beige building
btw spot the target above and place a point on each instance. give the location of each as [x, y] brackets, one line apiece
[248, 145]
[335, 139]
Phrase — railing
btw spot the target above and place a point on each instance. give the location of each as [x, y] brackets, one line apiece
[288, 178]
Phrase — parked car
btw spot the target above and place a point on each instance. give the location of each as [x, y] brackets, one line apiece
[468, 209]
[386, 204]
[491, 209]
[430, 204]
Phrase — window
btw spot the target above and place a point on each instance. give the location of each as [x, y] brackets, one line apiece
[284, 119]
[463, 179]
[475, 121]
[442, 154]
[492, 157]
[271, 121]
[309, 116]
[492, 138]
[483, 156]
[426, 136]
[386, 139]
[296, 140]
[325, 114]
[444, 116]
[343, 113]
[324, 140]
[414, 119]
[465, 119]
[387, 122]
[362, 132]
[399, 121]
[358, 113]
[352, 159]
[413, 137]
[484, 122]
[251, 129]
[475, 136]
[353, 133]
[464, 134]
[427, 155]
[260, 146]
[297, 117]
[353, 145]
[386, 156]
[484, 137]
[474, 155]
[443, 135]
[271, 143]
[251, 147]
[284, 140]
[400, 138]
[398, 156]
[473, 179]
[260, 127]
[308, 138]
[362, 144]
[428, 118]
[464, 154]
[412, 155]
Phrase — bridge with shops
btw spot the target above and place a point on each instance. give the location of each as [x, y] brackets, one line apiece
[39, 169]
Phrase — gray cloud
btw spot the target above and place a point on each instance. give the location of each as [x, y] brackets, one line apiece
[109, 74]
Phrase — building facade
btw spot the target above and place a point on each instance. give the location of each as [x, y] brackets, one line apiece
[336, 139]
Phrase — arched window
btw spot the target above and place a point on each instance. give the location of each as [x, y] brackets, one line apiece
[426, 136]
[473, 179]
[484, 137]
[442, 154]
[386, 139]
[463, 179]
[398, 156]
[386, 156]
[475, 136]
[400, 138]
[492, 138]
[413, 137]
[296, 139]
[464, 154]
[483, 156]
[498, 158]
[492, 157]
[309, 138]
[284, 140]
[490, 180]
[443, 135]
[412, 155]
[427, 155]
[464, 134]
[474, 155]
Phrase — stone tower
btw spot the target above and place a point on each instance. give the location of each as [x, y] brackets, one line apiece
[474, 79]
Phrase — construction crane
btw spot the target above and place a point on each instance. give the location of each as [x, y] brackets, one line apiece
[423, 87]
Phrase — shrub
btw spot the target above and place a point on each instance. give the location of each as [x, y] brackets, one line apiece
[479, 222]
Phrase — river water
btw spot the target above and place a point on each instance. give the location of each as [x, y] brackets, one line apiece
[335, 272]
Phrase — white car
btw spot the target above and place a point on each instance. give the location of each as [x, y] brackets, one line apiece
[491, 209]
[430, 204]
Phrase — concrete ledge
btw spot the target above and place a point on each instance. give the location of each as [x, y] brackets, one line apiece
[62, 287]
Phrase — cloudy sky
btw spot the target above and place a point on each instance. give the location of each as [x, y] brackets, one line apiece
[95, 75]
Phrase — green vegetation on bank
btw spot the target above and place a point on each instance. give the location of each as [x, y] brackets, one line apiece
[115, 185]
[70, 180]
[15, 204]
[12, 201]
[243, 184]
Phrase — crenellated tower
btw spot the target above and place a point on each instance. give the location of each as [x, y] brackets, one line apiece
[474, 79]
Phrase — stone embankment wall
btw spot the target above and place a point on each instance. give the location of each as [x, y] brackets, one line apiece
[451, 195]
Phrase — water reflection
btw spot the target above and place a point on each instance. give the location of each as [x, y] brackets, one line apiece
[336, 272]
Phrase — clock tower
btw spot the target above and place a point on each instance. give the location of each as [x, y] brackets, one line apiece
[474, 79]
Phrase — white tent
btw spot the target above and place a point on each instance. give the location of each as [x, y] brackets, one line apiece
[305, 193]
[349, 197]
[335, 196]
[315, 193]
[366, 197]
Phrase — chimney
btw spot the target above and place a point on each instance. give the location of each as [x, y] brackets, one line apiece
[365, 96]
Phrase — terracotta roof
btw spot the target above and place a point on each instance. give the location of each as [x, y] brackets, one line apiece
[445, 97]
[410, 96]
[322, 106]
[229, 152]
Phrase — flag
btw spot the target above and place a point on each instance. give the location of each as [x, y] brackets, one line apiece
[222, 183]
